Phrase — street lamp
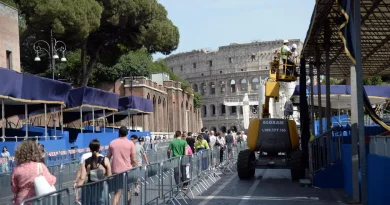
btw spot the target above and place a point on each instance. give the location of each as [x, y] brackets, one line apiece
[51, 49]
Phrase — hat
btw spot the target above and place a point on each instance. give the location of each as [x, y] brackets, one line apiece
[285, 41]
[294, 46]
[123, 131]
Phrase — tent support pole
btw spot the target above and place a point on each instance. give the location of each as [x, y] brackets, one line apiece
[81, 119]
[128, 119]
[45, 105]
[26, 118]
[142, 116]
[318, 66]
[104, 120]
[113, 122]
[93, 120]
[3, 121]
[54, 122]
[62, 121]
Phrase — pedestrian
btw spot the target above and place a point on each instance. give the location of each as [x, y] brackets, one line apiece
[201, 145]
[229, 139]
[5, 155]
[178, 147]
[96, 168]
[191, 142]
[141, 154]
[220, 142]
[28, 157]
[122, 152]
[204, 132]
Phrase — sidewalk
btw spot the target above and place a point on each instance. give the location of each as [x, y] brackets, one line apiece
[270, 187]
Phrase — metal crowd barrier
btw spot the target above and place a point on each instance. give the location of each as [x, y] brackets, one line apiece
[165, 181]
[322, 155]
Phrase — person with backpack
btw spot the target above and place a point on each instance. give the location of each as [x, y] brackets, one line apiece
[94, 169]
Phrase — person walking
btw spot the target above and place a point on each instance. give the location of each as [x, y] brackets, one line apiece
[122, 152]
[141, 156]
[95, 168]
[178, 147]
[29, 166]
[191, 142]
[5, 155]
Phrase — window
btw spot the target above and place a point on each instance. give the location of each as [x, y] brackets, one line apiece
[172, 69]
[253, 57]
[181, 68]
[194, 65]
[230, 60]
[242, 69]
[9, 59]
[220, 71]
[210, 63]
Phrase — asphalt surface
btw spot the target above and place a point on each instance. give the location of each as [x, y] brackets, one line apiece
[269, 187]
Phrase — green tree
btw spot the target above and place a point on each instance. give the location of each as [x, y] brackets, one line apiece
[197, 100]
[376, 80]
[102, 29]
[9, 3]
[333, 81]
[135, 63]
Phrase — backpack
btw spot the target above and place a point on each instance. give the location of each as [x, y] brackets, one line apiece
[97, 174]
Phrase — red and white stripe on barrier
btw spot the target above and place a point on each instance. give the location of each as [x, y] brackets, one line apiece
[56, 153]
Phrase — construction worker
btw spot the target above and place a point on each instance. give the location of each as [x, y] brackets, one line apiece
[286, 53]
[294, 57]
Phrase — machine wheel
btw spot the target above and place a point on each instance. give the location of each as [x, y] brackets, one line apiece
[296, 165]
[246, 164]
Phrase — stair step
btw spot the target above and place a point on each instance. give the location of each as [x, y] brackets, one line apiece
[305, 182]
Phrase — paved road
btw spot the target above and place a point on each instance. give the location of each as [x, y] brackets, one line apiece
[269, 187]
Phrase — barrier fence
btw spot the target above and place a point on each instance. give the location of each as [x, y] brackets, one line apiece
[171, 180]
[54, 158]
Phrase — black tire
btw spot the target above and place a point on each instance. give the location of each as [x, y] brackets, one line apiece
[246, 164]
[296, 169]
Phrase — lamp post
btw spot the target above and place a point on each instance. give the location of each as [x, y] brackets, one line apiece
[51, 49]
[131, 91]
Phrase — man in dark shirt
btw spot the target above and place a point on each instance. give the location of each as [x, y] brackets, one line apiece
[229, 141]
[191, 141]
[205, 135]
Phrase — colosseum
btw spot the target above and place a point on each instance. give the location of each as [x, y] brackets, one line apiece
[223, 77]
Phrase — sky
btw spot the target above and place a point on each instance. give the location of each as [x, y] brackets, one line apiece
[208, 24]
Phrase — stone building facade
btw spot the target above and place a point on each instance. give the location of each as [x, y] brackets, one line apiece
[224, 76]
[173, 107]
[9, 38]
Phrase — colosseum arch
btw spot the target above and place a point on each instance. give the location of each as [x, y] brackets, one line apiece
[232, 86]
[212, 88]
[195, 87]
[223, 86]
[222, 109]
[222, 129]
[212, 128]
[202, 88]
[255, 84]
[186, 104]
[243, 85]
[213, 110]
[204, 111]
[148, 96]
[233, 128]
[159, 100]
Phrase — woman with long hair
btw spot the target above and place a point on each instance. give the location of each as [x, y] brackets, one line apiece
[95, 168]
[5, 155]
[28, 157]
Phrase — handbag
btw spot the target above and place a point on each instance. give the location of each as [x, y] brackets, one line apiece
[41, 185]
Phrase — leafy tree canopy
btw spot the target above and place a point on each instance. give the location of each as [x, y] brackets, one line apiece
[103, 30]
[376, 80]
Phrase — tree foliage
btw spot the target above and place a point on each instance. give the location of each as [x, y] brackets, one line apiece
[197, 100]
[103, 30]
[333, 81]
[376, 80]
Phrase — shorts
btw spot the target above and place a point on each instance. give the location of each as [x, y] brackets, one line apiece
[116, 183]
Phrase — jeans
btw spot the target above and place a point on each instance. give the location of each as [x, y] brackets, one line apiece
[204, 159]
[180, 177]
